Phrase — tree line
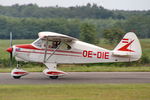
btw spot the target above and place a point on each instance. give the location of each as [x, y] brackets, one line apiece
[32, 10]
[25, 21]
[90, 11]
[27, 28]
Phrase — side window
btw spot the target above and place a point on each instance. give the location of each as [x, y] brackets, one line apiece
[49, 44]
[64, 46]
[52, 45]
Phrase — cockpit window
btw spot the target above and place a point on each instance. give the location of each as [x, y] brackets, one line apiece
[51, 44]
[38, 43]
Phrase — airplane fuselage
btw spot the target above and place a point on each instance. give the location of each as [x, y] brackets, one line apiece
[80, 52]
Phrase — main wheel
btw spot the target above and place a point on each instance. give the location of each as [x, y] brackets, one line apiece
[16, 77]
[53, 77]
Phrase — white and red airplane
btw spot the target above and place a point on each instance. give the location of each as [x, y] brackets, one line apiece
[53, 48]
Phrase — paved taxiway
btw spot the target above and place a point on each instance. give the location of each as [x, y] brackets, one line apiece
[79, 77]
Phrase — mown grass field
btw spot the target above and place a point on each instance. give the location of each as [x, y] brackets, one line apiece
[76, 92]
[79, 68]
[4, 56]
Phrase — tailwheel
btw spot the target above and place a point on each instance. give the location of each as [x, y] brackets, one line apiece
[16, 77]
[53, 77]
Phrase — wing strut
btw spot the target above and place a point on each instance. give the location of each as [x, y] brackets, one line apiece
[46, 46]
[52, 52]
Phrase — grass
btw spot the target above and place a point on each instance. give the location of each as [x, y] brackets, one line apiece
[4, 44]
[76, 92]
[105, 69]
[79, 68]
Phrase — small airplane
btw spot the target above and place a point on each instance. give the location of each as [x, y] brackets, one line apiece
[53, 48]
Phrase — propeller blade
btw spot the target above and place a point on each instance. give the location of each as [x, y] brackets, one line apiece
[10, 63]
[11, 55]
[10, 39]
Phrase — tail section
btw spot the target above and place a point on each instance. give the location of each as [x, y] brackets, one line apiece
[129, 46]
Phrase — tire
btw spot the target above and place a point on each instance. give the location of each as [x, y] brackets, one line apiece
[53, 77]
[16, 77]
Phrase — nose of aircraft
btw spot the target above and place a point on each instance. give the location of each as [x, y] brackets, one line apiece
[9, 50]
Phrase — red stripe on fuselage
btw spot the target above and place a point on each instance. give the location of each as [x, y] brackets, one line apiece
[29, 46]
[48, 53]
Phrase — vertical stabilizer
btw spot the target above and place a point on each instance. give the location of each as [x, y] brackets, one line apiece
[129, 46]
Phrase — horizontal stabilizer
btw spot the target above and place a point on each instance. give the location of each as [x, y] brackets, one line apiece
[121, 53]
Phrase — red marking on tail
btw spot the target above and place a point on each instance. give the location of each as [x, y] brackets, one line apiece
[125, 40]
[125, 48]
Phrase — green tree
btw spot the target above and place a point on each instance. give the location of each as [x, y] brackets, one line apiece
[88, 33]
[113, 35]
[139, 24]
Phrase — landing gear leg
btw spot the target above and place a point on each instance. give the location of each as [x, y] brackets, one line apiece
[52, 72]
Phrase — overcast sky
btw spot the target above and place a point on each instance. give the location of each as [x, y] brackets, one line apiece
[109, 4]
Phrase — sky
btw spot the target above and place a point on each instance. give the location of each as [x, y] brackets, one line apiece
[109, 4]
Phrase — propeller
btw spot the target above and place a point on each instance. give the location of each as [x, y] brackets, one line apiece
[10, 50]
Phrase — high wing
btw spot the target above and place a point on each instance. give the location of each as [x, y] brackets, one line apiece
[52, 36]
[56, 37]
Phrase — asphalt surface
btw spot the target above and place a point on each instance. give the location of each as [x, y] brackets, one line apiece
[79, 78]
